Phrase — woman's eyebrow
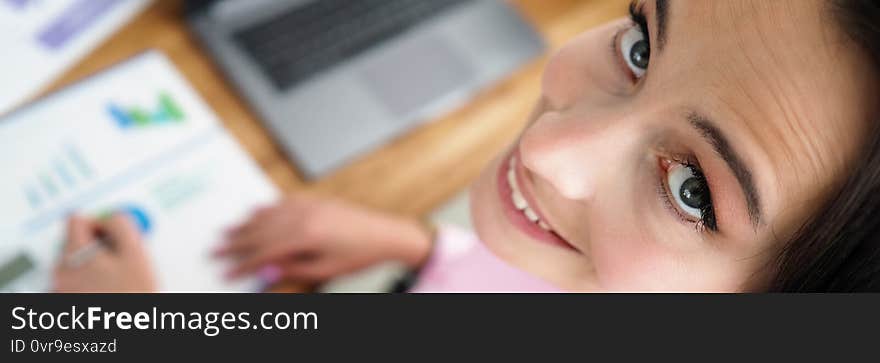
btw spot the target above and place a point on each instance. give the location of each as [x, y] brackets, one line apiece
[661, 16]
[713, 135]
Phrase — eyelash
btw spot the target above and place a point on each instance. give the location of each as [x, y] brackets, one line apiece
[707, 213]
[637, 17]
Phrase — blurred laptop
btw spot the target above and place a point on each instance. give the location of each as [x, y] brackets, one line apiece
[334, 79]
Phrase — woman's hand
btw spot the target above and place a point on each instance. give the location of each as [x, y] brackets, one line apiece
[311, 238]
[119, 265]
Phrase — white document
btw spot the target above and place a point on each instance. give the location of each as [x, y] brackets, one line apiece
[136, 139]
[40, 39]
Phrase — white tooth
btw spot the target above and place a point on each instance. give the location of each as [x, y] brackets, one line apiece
[512, 162]
[518, 201]
[543, 225]
[530, 214]
[511, 179]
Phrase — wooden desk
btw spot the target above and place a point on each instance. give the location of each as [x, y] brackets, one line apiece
[410, 175]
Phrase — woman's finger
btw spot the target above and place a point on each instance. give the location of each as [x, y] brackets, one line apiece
[310, 271]
[239, 238]
[245, 241]
[121, 233]
[262, 257]
[81, 232]
[256, 233]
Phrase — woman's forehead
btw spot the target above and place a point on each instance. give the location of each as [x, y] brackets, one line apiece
[783, 83]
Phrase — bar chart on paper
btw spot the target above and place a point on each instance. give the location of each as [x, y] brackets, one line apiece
[56, 177]
[154, 153]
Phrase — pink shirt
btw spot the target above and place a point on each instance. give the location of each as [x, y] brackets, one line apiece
[462, 263]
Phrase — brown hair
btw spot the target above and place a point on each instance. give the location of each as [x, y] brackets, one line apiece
[838, 250]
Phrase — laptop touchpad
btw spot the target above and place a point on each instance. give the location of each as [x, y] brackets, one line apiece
[415, 72]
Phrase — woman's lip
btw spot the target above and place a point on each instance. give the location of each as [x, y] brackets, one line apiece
[515, 216]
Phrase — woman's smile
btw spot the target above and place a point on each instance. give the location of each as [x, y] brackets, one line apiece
[668, 153]
[520, 206]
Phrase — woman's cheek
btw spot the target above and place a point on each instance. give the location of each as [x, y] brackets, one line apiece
[631, 264]
[654, 259]
[634, 259]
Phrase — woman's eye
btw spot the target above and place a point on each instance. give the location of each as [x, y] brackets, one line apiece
[689, 191]
[635, 50]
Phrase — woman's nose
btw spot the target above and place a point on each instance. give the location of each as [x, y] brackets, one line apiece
[577, 156]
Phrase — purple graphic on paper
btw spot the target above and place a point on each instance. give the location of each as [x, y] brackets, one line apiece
[75, 19]
[17, 3]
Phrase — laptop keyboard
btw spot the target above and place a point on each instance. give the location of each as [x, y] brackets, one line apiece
[292, 46]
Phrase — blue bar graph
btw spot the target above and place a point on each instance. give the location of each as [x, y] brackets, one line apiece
[64, 173]
[33, 197]
[49, 185]
[79, 162]
[58, 178]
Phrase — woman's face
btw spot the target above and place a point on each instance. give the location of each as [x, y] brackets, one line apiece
[678, 150]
